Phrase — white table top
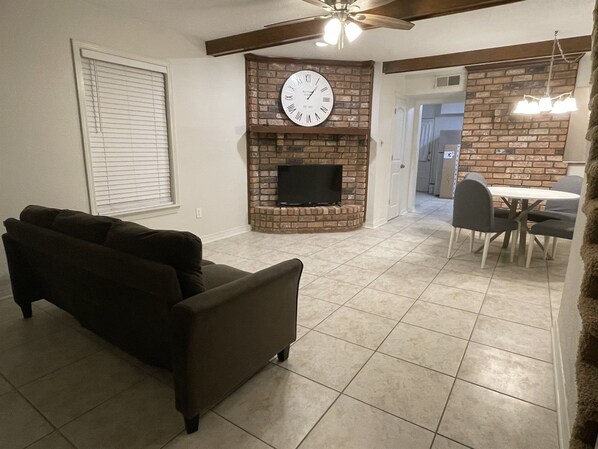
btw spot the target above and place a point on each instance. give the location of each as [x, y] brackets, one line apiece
[524, 193]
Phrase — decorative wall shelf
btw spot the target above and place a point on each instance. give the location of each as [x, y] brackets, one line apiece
[309, 130]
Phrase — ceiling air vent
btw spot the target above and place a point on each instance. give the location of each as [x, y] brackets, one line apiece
[447, 81]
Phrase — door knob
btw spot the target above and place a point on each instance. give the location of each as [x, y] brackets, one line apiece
[402, 165]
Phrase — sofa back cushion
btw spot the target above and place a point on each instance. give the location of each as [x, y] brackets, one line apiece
[39, 216]
[91, 228]
[180, 250]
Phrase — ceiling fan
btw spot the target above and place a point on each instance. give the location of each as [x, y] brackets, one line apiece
[344, 18]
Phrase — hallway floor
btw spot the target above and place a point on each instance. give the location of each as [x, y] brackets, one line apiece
[397, 347]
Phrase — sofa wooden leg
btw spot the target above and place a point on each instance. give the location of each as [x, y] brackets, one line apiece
[284, 354]
[192, 424]
[26, 309]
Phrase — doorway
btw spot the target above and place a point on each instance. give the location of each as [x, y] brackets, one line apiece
[438, 150]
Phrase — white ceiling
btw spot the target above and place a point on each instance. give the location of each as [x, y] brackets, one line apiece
[526, 21]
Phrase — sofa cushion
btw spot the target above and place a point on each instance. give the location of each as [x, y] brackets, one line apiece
[91, 228]
[180, 250]
[39, 215]
[216, 275]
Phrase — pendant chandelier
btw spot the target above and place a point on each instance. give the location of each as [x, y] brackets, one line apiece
[560, 104]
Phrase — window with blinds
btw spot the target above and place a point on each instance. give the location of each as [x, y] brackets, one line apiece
[128, 147]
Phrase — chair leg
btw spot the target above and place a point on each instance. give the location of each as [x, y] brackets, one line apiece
[471, 240]
[546, 244]
[192, 424]
[26, 310]
[458, 234]
[530, 250]
[486, 248]
[284, 354]
[553, 253]
[514, 243]
[451, 243]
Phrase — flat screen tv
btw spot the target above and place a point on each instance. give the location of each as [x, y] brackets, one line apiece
[309, 185]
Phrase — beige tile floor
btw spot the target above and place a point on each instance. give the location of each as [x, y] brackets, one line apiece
[398, 347]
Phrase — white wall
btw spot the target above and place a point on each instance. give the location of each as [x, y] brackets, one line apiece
[41, 156]
[567, 330]
[568, 325]
[577, 147]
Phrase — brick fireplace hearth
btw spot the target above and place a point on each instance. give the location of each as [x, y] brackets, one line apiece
[274, 140]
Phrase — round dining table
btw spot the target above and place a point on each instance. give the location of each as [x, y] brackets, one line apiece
[512, 196]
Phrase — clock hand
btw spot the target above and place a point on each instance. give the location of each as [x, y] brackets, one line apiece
[312, 92]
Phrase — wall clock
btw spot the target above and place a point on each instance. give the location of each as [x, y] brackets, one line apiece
[307, 98]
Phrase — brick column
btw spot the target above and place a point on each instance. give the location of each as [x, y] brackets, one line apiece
[352, 86]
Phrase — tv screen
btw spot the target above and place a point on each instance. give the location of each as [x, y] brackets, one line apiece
[309, 185]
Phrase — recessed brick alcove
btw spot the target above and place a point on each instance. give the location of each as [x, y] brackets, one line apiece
[342, 140]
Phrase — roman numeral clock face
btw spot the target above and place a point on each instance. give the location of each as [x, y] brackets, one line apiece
[307, 98]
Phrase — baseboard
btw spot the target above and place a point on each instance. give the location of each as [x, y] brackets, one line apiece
[225, 234]
[375, 224]
[562, 411]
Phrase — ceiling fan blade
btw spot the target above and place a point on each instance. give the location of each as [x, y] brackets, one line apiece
[289, 22]
[369, 4]
[383, 21]
[320, 2]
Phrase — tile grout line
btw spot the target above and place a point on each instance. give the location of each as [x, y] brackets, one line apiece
[212, 410]
[359, 371]
[448, 398]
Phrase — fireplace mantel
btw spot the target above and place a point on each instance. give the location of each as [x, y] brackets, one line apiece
[324, 130]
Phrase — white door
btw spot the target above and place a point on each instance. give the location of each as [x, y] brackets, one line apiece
[398, 175]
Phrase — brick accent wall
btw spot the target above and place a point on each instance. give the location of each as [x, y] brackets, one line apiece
[512, 149]
[352, 86]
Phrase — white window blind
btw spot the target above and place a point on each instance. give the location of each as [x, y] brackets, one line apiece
[127, 130]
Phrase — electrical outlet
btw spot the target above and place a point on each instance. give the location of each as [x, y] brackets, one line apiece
[198, 212]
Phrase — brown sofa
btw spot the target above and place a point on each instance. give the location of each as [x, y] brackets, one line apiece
[150, 293]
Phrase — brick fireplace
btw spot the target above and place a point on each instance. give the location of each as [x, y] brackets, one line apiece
[273, 140]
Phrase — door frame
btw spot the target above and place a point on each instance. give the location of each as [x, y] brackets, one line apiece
[418, 102]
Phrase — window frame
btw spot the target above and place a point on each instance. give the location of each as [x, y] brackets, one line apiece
[141, 62]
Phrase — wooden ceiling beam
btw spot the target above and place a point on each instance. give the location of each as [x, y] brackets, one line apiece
[401, 9]
[533, 50]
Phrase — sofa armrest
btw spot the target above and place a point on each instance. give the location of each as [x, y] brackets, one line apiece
[223, 336]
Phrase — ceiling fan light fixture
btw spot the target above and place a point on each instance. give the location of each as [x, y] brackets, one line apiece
[332, 31]
[352, 31]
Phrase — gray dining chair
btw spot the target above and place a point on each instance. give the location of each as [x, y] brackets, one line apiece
[557, 229]
[476, 177]
[473, 210]
[500, 212]
[560, 209]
